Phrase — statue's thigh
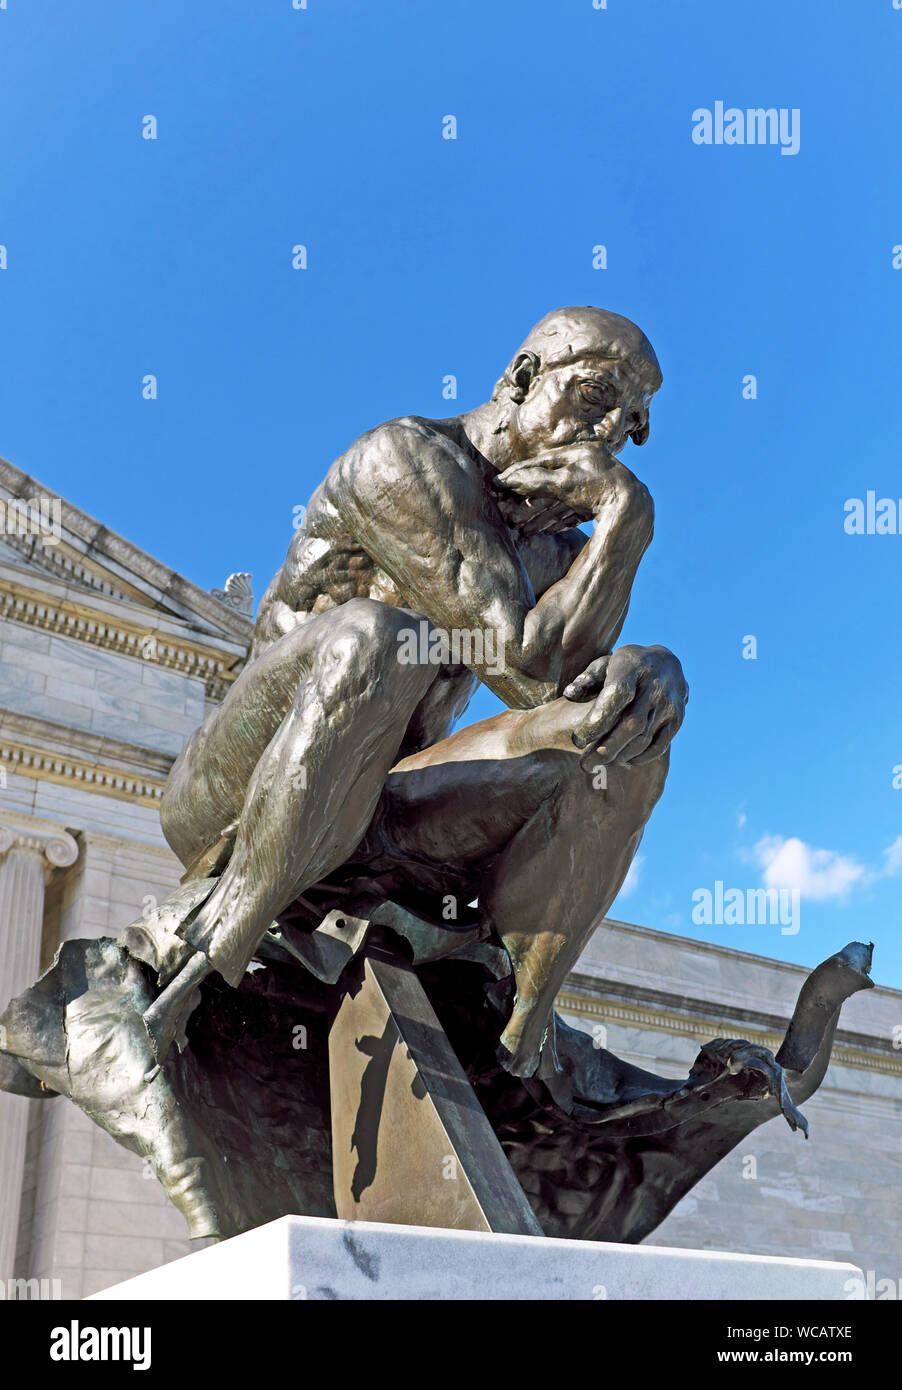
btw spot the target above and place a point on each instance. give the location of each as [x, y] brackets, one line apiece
[465, 813]
[345, 654]
[210, 778]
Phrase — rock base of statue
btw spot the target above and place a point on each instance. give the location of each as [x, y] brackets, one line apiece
[310, 1257]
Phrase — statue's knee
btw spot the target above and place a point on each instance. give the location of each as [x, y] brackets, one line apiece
[367, 625]
[621, 787]
[640, 785]
[366, 648]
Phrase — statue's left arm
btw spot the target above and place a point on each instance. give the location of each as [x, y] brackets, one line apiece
[638, 694]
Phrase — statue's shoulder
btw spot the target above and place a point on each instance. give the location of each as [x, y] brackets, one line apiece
[401, 434]
[396, 451]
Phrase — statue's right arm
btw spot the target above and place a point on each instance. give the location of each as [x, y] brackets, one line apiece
[422, 510]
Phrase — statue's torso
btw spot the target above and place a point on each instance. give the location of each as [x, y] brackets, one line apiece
[326, 567]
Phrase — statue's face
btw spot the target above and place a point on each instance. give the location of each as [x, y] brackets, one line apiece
[593, 399]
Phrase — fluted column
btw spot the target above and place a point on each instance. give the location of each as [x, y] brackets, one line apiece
[29, 850]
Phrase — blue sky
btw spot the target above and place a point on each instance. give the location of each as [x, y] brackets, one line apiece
[429, 257]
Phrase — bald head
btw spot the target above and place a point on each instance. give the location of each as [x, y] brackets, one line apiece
[585, 333]
[582, 374]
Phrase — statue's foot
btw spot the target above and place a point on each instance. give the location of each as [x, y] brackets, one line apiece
[526, 1047]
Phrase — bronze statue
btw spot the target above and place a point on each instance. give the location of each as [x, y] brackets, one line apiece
[327, 816]
[328, 749]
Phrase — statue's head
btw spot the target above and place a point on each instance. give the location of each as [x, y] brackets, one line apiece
[581, 374]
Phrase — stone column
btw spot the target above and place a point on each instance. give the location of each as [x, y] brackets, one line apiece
[29, 849]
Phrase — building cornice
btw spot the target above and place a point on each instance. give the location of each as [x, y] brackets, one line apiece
[125, 633]
[711, 949]
[766, 1031]
[102, 551]
[52, 737]
[61, 561]
[50, 752]
[67, 770]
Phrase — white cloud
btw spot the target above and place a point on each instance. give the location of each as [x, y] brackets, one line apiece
[818, 874]
[893, 856]
[631, 882]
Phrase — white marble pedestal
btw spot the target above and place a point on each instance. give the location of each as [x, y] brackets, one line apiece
[307, 1257]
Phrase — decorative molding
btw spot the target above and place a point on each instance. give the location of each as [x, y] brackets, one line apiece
[704, 1029]
[606, 986]
[51, 842]
[125, 636]
[128, 565]
[80, 772]
[685, 1006]
[708, 949]
[237, 594]
[62, 740]
[63, 562]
